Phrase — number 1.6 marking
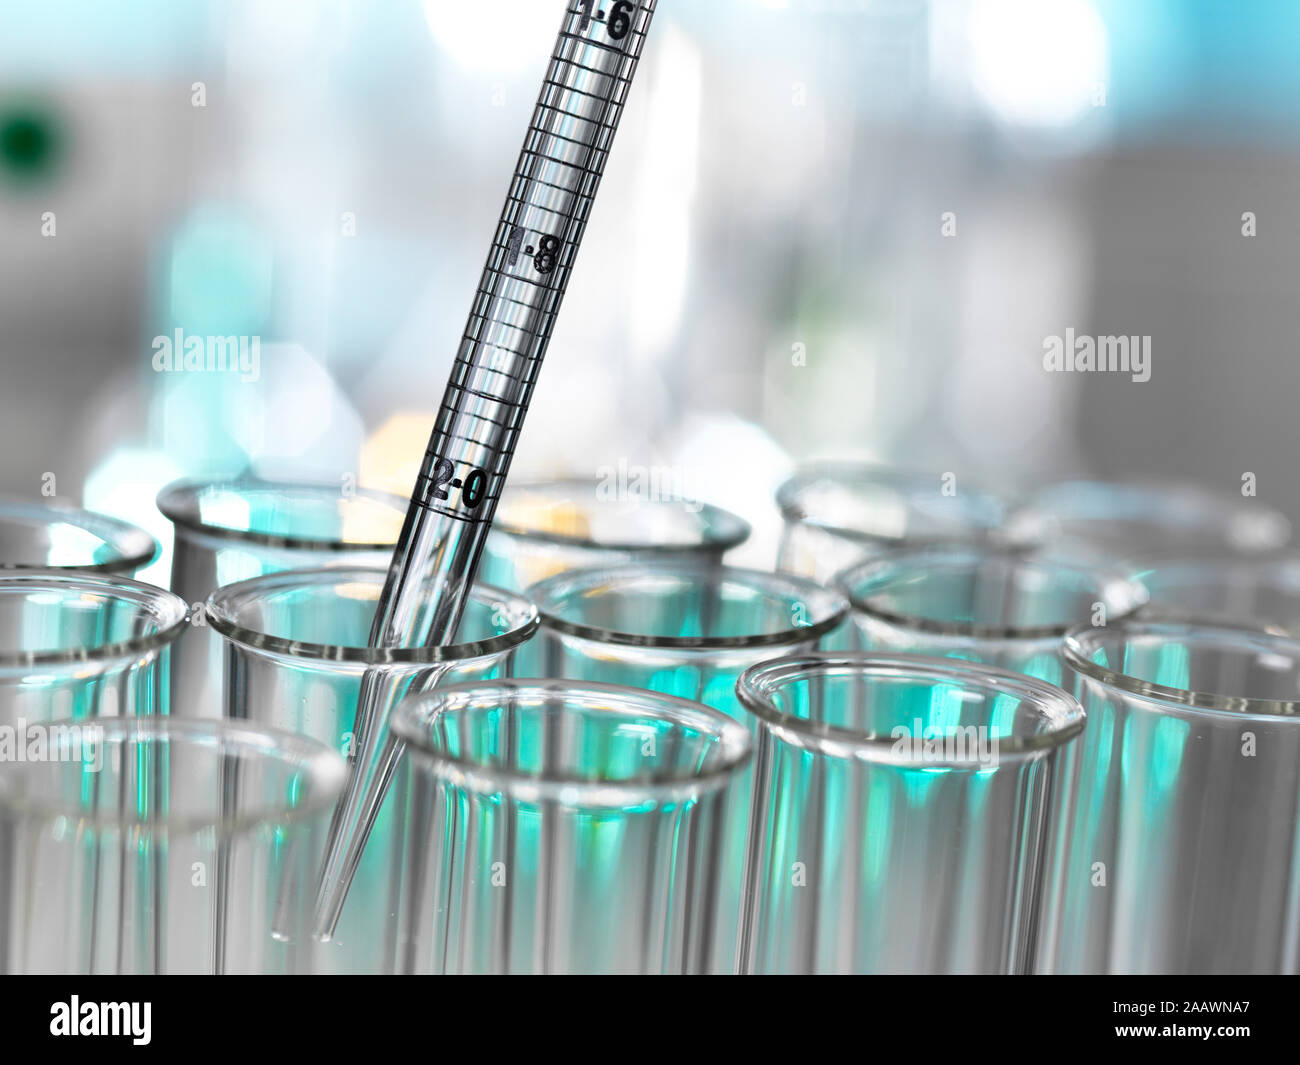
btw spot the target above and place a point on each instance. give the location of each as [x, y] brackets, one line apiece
[618, 22]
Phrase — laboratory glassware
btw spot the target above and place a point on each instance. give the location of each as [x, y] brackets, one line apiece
[688, 631]
[1136, 520]
[837, 513]
[1263, 591]
[115, 840]
[900, 813]
[515, 306]
[1176, 849]
[543, 528]
[54, 536]
[76, 645]
[1001, 606]
[296, 654]
[567, 827]
[232, 529]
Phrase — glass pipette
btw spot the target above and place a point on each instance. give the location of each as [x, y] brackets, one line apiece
[510, 323]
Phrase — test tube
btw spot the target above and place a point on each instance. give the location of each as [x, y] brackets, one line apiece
[1251, 591]
[76, 645]
[837, 513]
[230, 530]
[570, 828]
[1176, 847]
[997, 605]
[1139, 520]
[296, 654]
[53, 536]
[900, 813]
[688, 631]
[110, 868]
[543, 528]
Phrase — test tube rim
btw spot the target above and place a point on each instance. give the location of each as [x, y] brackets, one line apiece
[736, 529]
[833, 607]
[1212, 704]
[794, 512]
[134, 546]
[521, 610]
[754, 687]
[412, 714]
[170, 500]
[1038, 515]
[169, 610]
[1285, 568]
[1109, 578]
[308, 755]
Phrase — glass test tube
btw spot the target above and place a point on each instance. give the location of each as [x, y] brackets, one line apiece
[900, 813]
[236, 529]
[1249, 591]
[76, 645]
[52, 536]
[569, 828]
[837, 513]
[1177, 848]
[296, 655]
[546, 527]
[1135, 521]
[110, 868]
[1000, 606]
[688, 631]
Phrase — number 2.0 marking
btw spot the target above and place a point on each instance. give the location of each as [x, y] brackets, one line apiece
[442, 471]
[475, 486]
[471, 493]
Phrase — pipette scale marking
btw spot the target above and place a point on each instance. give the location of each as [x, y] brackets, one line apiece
[489, 388]
[502, 315]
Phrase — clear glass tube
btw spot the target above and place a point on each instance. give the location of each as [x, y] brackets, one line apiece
[836, 514]
[1000, 606]
[52, 536]
[567, 828]
[1249, 591]
[76, 645]
[546, 527]
[900, 814]
[236, 529]
[115, 841]
[1137, 520]
[688, 631]
[296, 657]
[1177, 849]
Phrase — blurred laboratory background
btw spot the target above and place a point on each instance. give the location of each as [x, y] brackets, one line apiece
[828, 229]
